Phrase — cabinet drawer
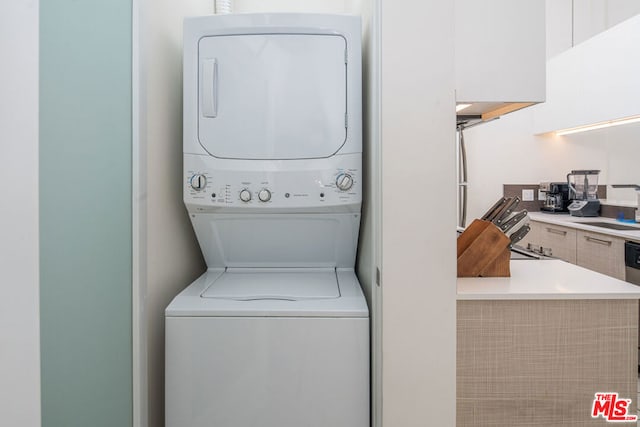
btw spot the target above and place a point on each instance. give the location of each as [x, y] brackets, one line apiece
[561, 240]
[601, 253]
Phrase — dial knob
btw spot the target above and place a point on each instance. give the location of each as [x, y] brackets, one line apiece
[245, 195]
[344, 181]
[264, 195]
[198, 182]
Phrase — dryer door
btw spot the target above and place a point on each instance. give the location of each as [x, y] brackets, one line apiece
[272, 96]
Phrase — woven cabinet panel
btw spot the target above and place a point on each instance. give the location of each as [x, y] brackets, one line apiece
[539, 363]
[601, 253]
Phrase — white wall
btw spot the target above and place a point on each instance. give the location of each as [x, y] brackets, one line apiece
[169, 254]
[19, 305]
[418, 213]
[507, 152]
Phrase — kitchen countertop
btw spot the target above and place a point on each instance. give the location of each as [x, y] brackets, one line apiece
[546, 280]
[567, 220]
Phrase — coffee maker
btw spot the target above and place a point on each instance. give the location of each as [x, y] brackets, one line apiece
[556, 197]
[583, 192]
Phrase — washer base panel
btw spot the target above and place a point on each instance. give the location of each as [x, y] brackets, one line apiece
[268, 372]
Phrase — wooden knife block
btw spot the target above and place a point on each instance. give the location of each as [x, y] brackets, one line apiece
[483, 251]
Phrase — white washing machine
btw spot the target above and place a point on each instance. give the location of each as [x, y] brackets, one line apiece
[276, 332]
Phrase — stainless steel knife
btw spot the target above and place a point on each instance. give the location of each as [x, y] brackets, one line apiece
[501, 209]
[512, 220]
[524, 221]
[506, 210]
[519, 234]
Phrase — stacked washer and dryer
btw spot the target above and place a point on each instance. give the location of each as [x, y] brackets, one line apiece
[276, 332]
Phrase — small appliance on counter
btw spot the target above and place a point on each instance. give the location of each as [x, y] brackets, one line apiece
[583, 186]
[556, 197]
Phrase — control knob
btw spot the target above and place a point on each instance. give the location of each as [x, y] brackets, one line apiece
[245, 195]
[344, 181]
[264, 195]
[198, 182]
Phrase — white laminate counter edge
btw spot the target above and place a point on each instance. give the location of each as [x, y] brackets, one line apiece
[545, 280]
[577, 223]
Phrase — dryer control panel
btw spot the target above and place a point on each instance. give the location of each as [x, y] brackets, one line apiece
[260, 184]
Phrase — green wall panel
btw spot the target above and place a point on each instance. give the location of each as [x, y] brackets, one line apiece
[85, 213]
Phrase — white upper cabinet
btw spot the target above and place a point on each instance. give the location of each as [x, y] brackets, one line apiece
[499, 55]
[595, 81]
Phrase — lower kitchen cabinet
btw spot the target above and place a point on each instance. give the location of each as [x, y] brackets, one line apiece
[596, 251]
[561, 240]
[557, 241]
[601, 253]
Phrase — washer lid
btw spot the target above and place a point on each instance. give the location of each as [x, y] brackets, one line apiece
[247, 284]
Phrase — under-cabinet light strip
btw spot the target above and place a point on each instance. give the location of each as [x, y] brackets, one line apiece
[600, 125]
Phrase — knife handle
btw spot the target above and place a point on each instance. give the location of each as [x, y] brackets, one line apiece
[494, 209]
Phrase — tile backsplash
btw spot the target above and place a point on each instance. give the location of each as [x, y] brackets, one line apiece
[613, 211]
[512, 190]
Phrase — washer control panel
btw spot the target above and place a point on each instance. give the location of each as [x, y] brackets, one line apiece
[285, 184]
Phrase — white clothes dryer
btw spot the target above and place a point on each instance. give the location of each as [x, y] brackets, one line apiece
[276, 332]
